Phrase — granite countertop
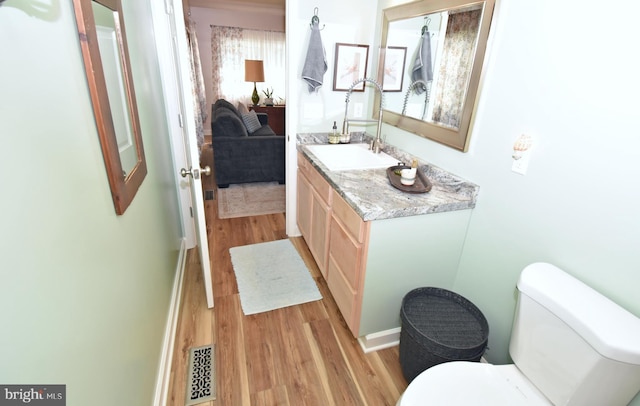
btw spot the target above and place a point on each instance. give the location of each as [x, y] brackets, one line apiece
[373, 197]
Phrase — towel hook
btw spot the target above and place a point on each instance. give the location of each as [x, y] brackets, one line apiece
[315, 19]
[425, 27]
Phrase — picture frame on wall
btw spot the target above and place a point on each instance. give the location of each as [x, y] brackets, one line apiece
[350, 65]
[394, 64]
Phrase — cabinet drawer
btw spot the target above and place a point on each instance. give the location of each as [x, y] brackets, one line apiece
[343, 295]
[351, 220]
[346, 254]
[303, 164]
[319, 184]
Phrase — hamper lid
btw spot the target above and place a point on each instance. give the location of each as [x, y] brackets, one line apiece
[445, 317]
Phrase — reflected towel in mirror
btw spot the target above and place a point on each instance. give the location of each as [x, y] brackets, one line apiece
[422, 67]
[315, 64]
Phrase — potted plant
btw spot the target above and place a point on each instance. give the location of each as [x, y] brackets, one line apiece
[269, 100]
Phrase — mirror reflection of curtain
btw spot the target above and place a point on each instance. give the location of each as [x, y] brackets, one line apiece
[197, 81]
[230, 46]
[455, 66]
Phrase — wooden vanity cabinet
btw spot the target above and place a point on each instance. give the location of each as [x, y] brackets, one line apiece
[370, 266]
[313, 205]
[337, 238]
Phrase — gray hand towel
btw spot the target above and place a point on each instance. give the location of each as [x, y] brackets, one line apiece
[315, 64]
[422, 69]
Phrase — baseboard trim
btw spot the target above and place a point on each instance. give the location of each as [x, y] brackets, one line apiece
[168, 342]
[380, 340]
[385, 339]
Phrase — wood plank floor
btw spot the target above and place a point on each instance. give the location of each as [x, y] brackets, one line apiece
[299, 355]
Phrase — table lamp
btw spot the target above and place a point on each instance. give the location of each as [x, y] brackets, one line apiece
[254, 72]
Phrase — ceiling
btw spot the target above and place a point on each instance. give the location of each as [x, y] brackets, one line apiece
[223, 3]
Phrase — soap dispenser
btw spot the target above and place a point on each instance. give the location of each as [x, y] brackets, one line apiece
[334, 137]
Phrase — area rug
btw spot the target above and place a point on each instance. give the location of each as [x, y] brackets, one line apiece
[251, 199]
[201, 382]
[271, 275]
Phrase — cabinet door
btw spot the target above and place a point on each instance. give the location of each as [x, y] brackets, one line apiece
[313, 221]
[320, 215]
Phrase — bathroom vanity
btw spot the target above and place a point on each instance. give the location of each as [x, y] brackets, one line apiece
[374, 243]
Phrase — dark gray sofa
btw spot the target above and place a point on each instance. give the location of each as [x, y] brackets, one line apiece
[240, 156]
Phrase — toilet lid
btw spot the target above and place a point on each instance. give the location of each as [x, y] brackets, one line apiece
[472, 383]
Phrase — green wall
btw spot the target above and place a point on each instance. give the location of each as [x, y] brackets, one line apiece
[84, 293]
[576, 206]
[566, 74]
[574, 91]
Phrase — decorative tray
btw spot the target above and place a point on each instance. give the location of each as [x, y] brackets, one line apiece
[421, 185]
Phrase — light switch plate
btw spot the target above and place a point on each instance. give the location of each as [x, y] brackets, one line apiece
[522, 154]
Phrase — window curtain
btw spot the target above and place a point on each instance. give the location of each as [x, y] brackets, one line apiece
[197, 83]
[455, 68]
[230, 46]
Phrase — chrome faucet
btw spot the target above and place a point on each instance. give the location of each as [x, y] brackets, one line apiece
[376, 144]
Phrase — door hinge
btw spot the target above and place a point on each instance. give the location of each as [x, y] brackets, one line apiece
[191, 211]
[180, 120]
[168, 7]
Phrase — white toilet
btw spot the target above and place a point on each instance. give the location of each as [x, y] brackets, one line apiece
[570, 346]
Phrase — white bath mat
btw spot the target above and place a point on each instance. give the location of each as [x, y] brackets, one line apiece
[272, 275]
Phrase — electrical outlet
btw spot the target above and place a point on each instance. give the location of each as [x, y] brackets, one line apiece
[520, 165]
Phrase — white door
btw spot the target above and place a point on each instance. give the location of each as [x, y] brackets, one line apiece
[175, 70]
[194, 174]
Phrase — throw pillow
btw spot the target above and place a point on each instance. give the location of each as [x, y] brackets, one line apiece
[251, 121]
[242, 108]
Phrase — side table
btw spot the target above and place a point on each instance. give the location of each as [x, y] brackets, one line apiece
[276, 115]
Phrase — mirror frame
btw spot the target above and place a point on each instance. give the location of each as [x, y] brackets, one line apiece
[123, 186]
[455, 138]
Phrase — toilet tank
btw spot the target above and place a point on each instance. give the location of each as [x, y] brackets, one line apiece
[575, 345]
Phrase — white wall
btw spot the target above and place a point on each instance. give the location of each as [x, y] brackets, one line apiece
[84, 293]
[345, 22]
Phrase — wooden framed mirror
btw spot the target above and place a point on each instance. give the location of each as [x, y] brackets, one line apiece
[104, 50]
[457, 32]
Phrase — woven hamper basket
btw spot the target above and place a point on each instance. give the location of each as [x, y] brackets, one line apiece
[439, 326]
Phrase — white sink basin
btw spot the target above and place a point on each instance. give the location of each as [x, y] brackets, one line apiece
[343, 157]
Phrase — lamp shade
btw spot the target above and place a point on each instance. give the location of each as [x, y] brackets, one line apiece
[253, 71]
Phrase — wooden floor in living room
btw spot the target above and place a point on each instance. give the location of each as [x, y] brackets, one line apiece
[298, 355]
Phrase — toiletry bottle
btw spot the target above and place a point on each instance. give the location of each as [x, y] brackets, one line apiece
[334, 137]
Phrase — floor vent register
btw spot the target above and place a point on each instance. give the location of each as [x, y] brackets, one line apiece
[201, 375]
